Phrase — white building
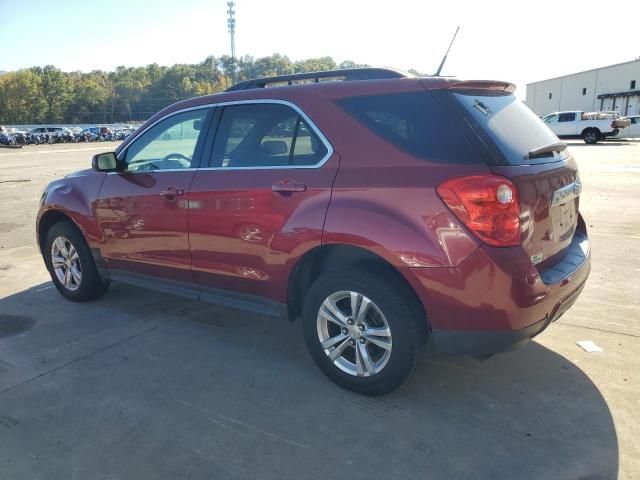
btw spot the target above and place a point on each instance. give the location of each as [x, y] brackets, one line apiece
[613, 88]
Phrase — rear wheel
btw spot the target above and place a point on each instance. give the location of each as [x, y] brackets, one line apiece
[364, 331]
[591, 135]
[71, 264]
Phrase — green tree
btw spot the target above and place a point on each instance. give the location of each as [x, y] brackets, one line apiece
[56, 91]
[90, 97]
[351, 64]
[21, 98]
[315, 65]
[38, 95]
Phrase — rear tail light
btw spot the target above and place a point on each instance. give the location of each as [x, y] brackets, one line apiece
[487, 204]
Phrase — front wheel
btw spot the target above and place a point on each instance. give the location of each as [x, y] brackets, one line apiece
[364, 331]
[71, 264]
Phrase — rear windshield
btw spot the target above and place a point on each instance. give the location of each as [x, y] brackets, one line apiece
[414, 122]
[512, 127]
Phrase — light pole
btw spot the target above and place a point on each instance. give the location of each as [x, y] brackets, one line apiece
[231, 23]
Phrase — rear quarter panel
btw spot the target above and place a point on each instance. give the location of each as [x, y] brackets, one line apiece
[384, 199]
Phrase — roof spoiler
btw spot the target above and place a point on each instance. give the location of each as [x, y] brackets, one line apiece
[493, 85]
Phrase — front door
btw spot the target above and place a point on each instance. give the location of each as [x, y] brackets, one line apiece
[262, 201]
[142, 210]
[566, 124]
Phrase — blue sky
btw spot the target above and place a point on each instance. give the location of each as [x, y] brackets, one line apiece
[516, 41]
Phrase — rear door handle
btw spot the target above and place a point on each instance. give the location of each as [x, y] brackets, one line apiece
[171, 192]
[288, 186]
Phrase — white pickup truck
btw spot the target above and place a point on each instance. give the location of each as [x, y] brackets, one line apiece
[591, 126]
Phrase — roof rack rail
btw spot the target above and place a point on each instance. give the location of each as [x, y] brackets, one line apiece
[344, 74]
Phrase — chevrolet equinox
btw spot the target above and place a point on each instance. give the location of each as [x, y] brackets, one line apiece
[391, 214]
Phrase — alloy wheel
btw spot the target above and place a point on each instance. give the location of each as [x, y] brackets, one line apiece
[66, 263]
[354, 333]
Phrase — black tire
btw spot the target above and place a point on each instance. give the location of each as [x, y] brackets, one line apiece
[591, 136]
[404, 316]
[90, 286]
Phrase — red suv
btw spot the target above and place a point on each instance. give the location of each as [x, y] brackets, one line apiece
[390, 213]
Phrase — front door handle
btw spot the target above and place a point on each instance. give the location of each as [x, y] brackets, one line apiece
[171, 192]
[288, 186]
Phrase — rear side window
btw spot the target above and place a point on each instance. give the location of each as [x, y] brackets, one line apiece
[265, 135]
[415, 123]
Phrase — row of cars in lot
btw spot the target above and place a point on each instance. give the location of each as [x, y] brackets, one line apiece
[592, 126]
[49, 135]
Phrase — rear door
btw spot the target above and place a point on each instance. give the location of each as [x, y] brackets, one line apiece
[634, 128]
[262, 200]
[546, 178]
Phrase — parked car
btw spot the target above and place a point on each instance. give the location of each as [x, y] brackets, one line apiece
[631, 131]
[590, 126]
[50, 130]
[398, 214]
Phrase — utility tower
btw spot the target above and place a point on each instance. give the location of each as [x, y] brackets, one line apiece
[231, 23]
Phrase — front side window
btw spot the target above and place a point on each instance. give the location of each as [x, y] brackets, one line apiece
[550, 118]
[168, 145]
[265, 135]
[567, 117]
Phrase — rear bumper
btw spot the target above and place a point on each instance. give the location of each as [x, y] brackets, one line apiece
[496, 299]
[452, 342]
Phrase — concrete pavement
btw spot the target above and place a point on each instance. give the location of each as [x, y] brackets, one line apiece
[144, 385]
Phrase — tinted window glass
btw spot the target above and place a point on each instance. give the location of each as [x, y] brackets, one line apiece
[415, 123]
[265, 135]
[168, 145]
[567, 117]
[308, 149]
[510, 125]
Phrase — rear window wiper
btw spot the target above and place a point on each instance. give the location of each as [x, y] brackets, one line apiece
[544, 151]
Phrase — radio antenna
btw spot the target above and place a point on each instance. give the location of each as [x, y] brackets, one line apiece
[444, 59]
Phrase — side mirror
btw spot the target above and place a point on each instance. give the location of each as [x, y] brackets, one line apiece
[197, 124]
[104, 162]
[275, 147]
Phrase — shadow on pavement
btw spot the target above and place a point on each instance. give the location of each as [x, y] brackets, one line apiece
[145, 385]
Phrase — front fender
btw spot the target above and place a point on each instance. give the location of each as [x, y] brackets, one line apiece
[74, 197]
